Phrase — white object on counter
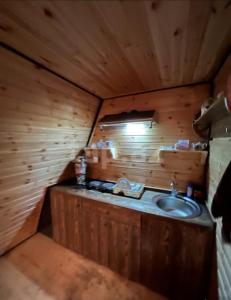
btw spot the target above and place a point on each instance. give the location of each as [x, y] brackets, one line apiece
[130, 189]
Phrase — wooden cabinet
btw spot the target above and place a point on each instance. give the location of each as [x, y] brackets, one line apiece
[66, 219]
[107, 234]
[175, 257]
[169, 256]
[111, 237]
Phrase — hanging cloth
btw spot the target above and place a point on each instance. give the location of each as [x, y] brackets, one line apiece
[221, 205]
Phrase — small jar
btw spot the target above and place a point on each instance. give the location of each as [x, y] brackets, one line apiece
[189, 190]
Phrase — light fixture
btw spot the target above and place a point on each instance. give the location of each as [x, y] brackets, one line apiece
[125, 118]
[135, 128]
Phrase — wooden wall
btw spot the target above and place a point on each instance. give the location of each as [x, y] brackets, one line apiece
[220, 82]
[44, 121]
[220, 149]
[218, 161]
[138, 153]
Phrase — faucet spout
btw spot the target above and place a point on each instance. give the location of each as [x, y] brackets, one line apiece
[173, 188]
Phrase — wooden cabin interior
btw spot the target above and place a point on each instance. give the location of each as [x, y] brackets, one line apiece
[115, 149]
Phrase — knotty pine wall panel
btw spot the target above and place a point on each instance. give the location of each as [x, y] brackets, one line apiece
[218, 161]
[44, 122]
[221, 80]
[138, 153]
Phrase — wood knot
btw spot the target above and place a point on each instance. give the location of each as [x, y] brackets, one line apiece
[227, 4]
[38, 66]
[177, 32]
[154, 5]
[48, 13]
[213, 10]
[6, 28]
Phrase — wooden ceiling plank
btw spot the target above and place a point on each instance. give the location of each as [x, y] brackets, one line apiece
[156, 13]
[114, 48]
[60, 89]
[167, 21]
[84, 51]
[23, 39]
[217, 40]
[133, 37]
[100, 46]
[197, 23]
[177, 22]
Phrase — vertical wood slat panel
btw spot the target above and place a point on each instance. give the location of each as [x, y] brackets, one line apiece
[182, 268]
[66, 220]
[219, 159]
[107, 234]
[44, 122]
[111, 236]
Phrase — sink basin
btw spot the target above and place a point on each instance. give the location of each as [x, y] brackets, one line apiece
[177, 207]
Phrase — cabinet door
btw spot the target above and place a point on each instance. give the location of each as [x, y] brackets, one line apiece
[175, 257]
[111, 237]
[65, 212]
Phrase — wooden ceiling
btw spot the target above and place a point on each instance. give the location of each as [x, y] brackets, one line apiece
[114, 48]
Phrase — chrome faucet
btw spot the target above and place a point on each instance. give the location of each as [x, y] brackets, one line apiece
[173, 188]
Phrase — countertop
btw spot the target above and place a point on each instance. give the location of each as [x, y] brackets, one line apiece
[145, 205]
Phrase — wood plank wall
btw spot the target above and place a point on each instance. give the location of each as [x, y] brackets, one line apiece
[44, 122]
[138, 153]
[219, 158]
[220, 82]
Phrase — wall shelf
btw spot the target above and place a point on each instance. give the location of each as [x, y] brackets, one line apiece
[201, 155]
[102, 156]
[217, 111]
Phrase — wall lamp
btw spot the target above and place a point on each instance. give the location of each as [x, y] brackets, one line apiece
[125, 118]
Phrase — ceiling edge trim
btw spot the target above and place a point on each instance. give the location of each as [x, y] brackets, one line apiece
[162, 89]
[94, 122]
[40, 65]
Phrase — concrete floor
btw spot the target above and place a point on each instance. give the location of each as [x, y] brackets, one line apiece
[40, 269]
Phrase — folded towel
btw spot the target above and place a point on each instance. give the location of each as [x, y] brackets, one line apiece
[221, 205]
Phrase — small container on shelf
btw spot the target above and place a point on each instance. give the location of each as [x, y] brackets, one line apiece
[189, 190]
[198, 193]
[182, 145]
[195, 192]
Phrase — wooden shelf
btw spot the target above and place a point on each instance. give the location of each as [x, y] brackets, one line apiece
[103, 156]
[218, 110]
[201, 155]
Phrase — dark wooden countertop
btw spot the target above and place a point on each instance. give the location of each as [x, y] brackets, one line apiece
[145, 205]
